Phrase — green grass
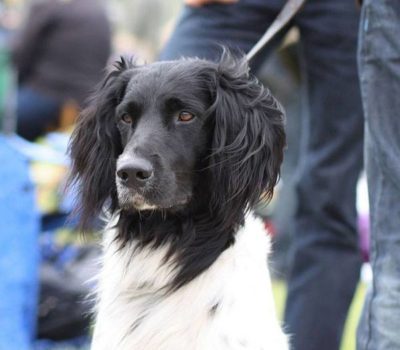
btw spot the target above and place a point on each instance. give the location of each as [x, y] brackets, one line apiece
[349, 336]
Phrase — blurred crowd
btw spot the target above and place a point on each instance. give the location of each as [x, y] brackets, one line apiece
[54, 52]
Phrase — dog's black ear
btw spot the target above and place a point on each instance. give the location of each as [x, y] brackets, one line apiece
[95, 144]
[248, 140]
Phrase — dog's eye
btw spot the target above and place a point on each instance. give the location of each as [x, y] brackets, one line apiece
[185, 117]
[126, 118]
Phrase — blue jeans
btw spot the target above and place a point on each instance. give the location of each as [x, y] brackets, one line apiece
[326, 258]
[379, 65]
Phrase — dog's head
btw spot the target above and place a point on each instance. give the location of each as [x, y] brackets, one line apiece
[173, 135]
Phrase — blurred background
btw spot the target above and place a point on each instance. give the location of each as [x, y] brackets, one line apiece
[52, 54]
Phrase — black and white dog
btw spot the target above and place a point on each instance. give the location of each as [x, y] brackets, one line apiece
[180, 152]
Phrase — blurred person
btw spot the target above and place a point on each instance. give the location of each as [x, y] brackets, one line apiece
[326, 258]
[379, 68]
[59, 54]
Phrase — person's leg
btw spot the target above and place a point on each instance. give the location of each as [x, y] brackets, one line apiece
[35, 113]
[379, 65]
[326, 258]
[201, 30]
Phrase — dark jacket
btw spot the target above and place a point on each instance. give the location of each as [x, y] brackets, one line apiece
[63, 48]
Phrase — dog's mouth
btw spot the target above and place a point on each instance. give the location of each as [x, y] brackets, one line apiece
[140, 203]
[129, 199]
[136, 201]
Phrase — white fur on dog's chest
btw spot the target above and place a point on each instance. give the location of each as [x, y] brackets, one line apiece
[229, 306]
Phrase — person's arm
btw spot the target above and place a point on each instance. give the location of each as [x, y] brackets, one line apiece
[27, 43]
[198, 3]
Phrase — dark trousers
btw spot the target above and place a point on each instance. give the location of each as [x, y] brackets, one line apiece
[326, 259]
[36, 112]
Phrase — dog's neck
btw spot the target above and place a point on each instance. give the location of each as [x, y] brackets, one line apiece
[185, 235]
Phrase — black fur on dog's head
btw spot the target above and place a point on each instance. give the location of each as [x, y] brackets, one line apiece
[182, 149]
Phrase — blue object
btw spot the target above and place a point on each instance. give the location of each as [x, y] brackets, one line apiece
[19, 251]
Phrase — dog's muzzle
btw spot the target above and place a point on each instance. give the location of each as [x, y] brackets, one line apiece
[134, 177]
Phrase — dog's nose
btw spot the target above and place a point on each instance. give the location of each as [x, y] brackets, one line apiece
[135, 173]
